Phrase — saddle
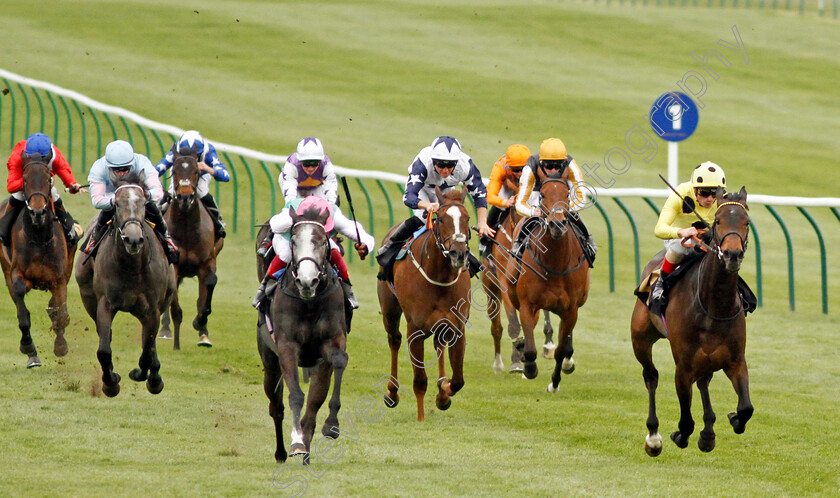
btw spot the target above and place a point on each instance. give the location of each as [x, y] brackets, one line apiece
[394, 254]
[748, 298]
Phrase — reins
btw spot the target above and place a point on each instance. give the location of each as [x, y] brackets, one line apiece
[433, 225]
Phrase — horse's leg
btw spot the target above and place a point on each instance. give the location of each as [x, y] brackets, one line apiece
[707, 435]
[18, 288]
[177, 317]
[273, 387]
[529, 316]
[165, 332]
[448, 387]
[59, 317]
[319, 386]
[494, 295]
[514, 331]
[686, 424]
[206, 283]
[548, 330]
[416, 352]
[391, 313]
[563, 362]
[740, 378]
[443, 402]
[288, 366]
[338, 358]
[110, 379]
[643, 336]
[149, 364]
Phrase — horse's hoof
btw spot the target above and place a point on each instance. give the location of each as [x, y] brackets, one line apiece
[199, 326]
[516, 368]
[137, 375]
[706, 444]
[737, 426]
[280, 456]
[298, 449]
[164, 334]
[653, 445]
[498, 366]
[568, 365]
[530, 370]
[552, 389]
[330, 431]
[154, 387]
[443, 406]
[60, 347]
[33, 362]
[392, 399]
[204, 341]
[29, 349]
[548, 350]
[111, 390]
[678, 439]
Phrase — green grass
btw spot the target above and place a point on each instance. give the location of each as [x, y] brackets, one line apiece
[376, 81]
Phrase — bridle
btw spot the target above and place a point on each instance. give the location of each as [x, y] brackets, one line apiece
[459, 237]
[131, 219]
[322, 265]
[548, 214]
[185, 183]
[47, 197]
[717, 243]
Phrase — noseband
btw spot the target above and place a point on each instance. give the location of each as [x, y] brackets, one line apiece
[459, 237]
[47, 198]
[322, 265]
[548, 214]
[717, 242]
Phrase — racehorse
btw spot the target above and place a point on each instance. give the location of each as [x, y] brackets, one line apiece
[496, 281]
[192, 228]
[130, 273]
[39, 257]
[431, 286]
[563, 285]
[309, 330]
[705, 324]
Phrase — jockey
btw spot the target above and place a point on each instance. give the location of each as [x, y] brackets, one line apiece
[281, 226]
[120, 159]
[441, 164]
[209, 166]
[677, 221]
[552, 157]
[502, 189]
[38, 143]
[308, 171]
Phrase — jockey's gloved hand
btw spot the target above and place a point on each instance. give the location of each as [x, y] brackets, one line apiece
[362, 249]
[74, 189]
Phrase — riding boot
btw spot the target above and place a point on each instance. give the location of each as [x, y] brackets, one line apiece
[349, 295]
[8, 220]
[215, 214]
[587, 242]
[399, 236]
[261, 291]
[265, 245]
[153, 214]
[72, 230]
[658, 295]
[98, 232]
[484, 243]
[518, 247]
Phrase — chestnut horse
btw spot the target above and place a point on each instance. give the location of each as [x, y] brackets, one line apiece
[431, 286]
[563, 287]
[130, 274]
[192, 229]
[309, 330]
[496, 282]
[705, 324]
[39, 257]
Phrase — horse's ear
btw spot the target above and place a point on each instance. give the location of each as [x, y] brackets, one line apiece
[293, 215]
[113, 177]
[141, 178]
[540, 174]
[742, 195]
[463, 193]
[719, 195]
[438, 193]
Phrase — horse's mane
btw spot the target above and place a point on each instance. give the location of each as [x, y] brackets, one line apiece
[451, 195]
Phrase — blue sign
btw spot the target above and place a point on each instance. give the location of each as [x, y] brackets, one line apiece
[674, 116]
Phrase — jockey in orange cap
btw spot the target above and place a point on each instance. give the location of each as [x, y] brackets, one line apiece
[502, 189]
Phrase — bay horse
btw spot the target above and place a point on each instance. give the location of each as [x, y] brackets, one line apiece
[495, 280]
[131, 274]
[706, 327]
[38, 257]
[431, 287]
[553, 249]
[192, 229]
[309, 330]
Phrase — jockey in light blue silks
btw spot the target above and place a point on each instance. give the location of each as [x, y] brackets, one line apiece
[120, 159]
[209, 166]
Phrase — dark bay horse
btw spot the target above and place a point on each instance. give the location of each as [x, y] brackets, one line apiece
[562, 287]
[39, 257]
[309, 330]
[192, 229]
[496, 281]
[431, 287]
[705, 326]
[130, 274]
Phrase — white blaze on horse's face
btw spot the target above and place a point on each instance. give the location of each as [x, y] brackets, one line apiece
[458, 248]
[308, 257]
